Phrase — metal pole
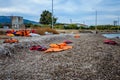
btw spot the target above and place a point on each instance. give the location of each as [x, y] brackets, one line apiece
[52, 14]
[96, 20]
[70, 21]
[118, 22]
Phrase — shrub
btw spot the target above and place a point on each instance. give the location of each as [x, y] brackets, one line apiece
[2, 32]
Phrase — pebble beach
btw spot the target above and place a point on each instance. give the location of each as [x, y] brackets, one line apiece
[89, 59]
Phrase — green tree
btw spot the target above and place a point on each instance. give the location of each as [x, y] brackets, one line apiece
[28, 25]
[1, 25]
[46, 18]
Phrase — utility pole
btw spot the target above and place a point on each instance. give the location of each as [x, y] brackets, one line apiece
[118, 22]
[70, 21]
[96, 20]
[52, 14]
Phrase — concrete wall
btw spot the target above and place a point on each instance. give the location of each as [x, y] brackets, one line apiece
[17, 22]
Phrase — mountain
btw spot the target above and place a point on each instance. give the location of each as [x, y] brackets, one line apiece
[7, 20]
[29, 21]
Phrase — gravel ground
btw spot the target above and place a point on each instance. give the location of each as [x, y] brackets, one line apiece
[89, 59]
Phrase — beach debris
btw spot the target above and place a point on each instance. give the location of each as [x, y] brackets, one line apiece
[111, 42]
[48, 33]
[25, 43]
[76, 36]
[10, 35]
[34, 35]
[38, 48]
[67, 41]
[58, 47]
[11, 40]
[33, 31]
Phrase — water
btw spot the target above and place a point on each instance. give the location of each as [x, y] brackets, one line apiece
[111, 35]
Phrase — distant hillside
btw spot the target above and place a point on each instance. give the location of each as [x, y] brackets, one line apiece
[7, 20]
[29, 21]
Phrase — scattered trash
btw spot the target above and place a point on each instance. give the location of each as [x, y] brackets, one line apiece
[38, 48]
[110, 42]
[11, 41]
[10, 35]
[77, 36]
[34, 35]
[58, 47]
[67, 41]
[48, 33]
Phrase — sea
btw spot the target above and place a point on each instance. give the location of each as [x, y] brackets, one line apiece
[111, 35]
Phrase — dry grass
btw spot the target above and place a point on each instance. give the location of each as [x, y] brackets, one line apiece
[42, 31]
[2, 32]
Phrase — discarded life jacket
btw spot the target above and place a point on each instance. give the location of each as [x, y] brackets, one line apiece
[10, 34]
[18, 33]
[33, 31]
[10, 41]
[110, 42]
[10, 31]
[38, 48]
[77, 36]
[26, 32]
[22, 33]
[67, 41]
[58, 47]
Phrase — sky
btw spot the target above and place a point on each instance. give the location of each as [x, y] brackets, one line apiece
[67, 11]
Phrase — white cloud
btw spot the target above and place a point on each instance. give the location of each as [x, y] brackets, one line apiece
[16, 10]
[78, 10]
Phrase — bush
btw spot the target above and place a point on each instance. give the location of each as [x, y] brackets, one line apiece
[2, 32]
[58, 26]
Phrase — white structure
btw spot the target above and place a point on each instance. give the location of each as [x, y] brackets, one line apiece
[17, 22]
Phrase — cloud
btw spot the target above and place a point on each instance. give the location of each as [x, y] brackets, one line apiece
[77, 10]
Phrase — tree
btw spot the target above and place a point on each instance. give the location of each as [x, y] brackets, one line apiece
[28, 25]
[46, 18]
[1, 25]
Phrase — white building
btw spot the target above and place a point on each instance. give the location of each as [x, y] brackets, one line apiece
[17, 22]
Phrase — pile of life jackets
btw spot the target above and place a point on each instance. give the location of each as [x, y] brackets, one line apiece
[12, 32]
[22, 33]
[53, 47]
[58, 47]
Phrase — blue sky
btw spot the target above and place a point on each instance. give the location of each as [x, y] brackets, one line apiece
[67, 11]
